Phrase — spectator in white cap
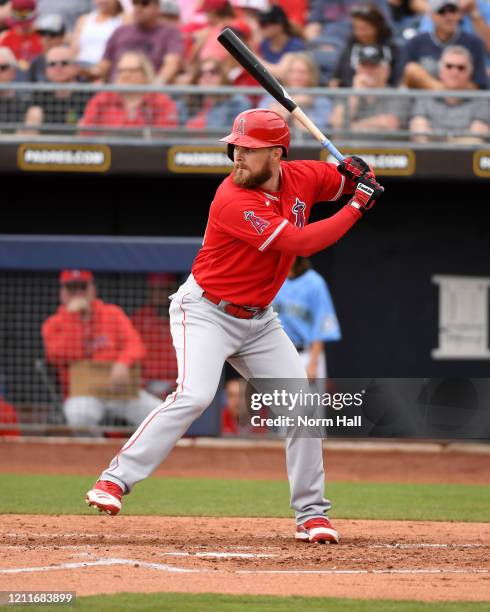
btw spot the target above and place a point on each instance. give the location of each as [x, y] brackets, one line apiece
[70, 10]
[420, 56]
[51, 29]
[170, 12]
[456, 118]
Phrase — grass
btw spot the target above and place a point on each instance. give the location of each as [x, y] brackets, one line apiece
[208, 602]
[43, 494]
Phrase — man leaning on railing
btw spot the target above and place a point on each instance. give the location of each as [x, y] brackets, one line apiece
[452, 116]
[62, 107]
[370, 113]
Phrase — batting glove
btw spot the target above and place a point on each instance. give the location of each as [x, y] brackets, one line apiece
[355, 168]
[367, 192]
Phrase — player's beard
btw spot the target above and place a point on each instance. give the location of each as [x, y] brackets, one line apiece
[253, 179]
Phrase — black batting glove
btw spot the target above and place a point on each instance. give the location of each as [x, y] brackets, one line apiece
[367, 192]
[355, 168]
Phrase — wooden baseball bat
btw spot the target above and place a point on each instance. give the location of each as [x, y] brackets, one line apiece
[254, 66]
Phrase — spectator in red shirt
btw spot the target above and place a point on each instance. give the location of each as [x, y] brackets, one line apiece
[159, 366]
[161, 42]
[219, 15]
[8, 416]
[86, 328]
[22, 37]
[131, 109]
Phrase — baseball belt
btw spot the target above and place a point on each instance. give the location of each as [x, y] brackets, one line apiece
[234, 310]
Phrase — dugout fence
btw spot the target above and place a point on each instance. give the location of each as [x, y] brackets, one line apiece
[135, 274]
[66, 113]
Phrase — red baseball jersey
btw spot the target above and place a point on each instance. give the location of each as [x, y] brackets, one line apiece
[237, 261]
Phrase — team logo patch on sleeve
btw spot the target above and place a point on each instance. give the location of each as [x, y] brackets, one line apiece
[299, 213]
[257, 223]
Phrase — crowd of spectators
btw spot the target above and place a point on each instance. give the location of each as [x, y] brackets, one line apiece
[360, 44]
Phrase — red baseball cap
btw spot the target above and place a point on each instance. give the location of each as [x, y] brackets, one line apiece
[208, 6]
[76, 276]
[161, 279]
[22, 11]
[241, 26]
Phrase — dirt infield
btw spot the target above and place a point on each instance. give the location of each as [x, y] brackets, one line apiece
[376, 559]
[400, 560]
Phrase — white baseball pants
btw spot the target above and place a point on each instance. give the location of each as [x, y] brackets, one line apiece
[204, 338]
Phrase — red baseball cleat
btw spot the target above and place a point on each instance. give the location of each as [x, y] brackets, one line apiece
[318, 529]
[105, 496]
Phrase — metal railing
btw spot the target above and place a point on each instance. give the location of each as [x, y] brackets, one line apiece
[91, 117]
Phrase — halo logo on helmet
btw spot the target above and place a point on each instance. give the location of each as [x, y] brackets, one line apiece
[258, 129]
[241, 126]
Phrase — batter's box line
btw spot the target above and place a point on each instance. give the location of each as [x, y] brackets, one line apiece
[99, 563]
[427, 545]
[170, 568]
[381, 571]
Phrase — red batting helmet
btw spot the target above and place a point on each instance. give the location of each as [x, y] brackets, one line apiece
[256, 129]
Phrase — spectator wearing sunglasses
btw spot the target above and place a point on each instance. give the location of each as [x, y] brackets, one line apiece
[212, 111]
[475, 20]
[12, 106]
[58, 108]
[131, 109]
[302, 74]
[421, 55]
[51, 29]
[21, 37]
[86, 328]
[161, 42]
[451, 116]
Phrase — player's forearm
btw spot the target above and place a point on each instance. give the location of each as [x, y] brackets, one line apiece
[316, 236]
[316, 349]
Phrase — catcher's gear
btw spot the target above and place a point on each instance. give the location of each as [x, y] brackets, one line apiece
[367, 192]
[355, 168]
[256, 129]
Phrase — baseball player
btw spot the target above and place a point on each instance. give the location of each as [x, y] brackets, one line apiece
[257, 225]
[307, 314]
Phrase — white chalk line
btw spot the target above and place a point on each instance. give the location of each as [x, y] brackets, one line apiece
[170, 568]
[382, 571]
[427, 545]
[219, 555]
[100, 562]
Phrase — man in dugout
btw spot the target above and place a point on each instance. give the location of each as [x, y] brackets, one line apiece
[85, 328]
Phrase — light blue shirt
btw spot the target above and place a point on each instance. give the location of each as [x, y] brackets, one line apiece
[306, 310]
[427, 25]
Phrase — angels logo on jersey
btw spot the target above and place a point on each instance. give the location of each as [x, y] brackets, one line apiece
[299, 213]
[257, 223]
